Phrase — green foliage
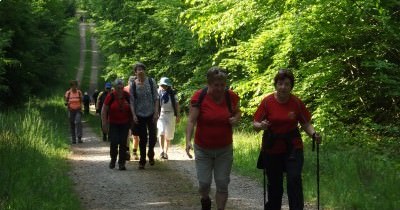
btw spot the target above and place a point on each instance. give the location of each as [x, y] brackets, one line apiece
[31, 33]
[32, 158]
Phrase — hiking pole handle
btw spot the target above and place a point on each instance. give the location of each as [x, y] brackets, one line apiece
[313, 141]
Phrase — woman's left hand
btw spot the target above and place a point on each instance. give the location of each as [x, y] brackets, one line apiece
[317, 137]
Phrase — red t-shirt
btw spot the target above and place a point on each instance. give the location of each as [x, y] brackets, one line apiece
[213, 129]
[284, 117]
[119, 111]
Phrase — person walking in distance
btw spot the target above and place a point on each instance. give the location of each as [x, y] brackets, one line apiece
[86, 103]
[73, 101]
[99, 106]
[214, 110]
[116, 119]
[144, 106]
[169, 115]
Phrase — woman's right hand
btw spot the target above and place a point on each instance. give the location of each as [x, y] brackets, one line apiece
[189, 147]
[263, 125]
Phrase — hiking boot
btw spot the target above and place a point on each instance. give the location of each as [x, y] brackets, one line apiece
[205, 203]
[122, 167]
[141, 166]
[152, 162]
[112, 164]
[128, 156]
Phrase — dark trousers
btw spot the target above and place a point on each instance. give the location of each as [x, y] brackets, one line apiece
[147, 130]
[276, 166]
[118, 135]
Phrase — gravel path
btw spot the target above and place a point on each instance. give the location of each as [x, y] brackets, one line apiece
[169, 184]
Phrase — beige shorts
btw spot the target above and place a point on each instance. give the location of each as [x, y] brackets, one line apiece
[217, 162]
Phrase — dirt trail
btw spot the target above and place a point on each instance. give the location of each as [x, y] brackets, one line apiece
[168, 185]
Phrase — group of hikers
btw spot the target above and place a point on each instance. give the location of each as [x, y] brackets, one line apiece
[146, 112]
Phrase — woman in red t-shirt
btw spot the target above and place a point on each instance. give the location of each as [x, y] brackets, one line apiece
[116, 119]
[213, 110]
[278, 115]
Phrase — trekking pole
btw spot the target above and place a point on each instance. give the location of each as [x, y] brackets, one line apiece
[313, 148]
[265, 193]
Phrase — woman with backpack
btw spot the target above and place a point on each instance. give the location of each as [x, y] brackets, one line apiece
[214, 110]
[116, 121]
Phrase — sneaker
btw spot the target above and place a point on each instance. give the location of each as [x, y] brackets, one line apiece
[80, 140]
[205, 204]
[104, 138]
[165, 156]
[112, 165]
[141, 166]
[152, 162]
[162, 155]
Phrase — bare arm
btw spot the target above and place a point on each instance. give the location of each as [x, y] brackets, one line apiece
[310, 130]
[193, 115]
[177, 108]
[104, 120]
[237, 113]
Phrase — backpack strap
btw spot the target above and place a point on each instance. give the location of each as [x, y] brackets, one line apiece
[126, 96]
[173, 101]
[227, 98]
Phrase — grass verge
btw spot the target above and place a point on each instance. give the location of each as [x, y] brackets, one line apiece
[352, 177]
[34, 144]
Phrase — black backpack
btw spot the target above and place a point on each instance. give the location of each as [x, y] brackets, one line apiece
[101, 99]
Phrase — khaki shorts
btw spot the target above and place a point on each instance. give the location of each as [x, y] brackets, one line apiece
[213, 162]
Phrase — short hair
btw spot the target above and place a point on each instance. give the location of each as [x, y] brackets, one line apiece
[216, 73]
[137, 65]
[118, 82]
[283, 74]
[73, 82]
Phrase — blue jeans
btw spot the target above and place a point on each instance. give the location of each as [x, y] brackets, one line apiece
[75, 124]
[275, 166]
[118, 135]
[147, 130]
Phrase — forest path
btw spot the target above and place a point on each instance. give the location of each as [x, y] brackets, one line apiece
[169, 184]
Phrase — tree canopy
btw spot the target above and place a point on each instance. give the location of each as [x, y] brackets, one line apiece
[344, 53]
[31, 32]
